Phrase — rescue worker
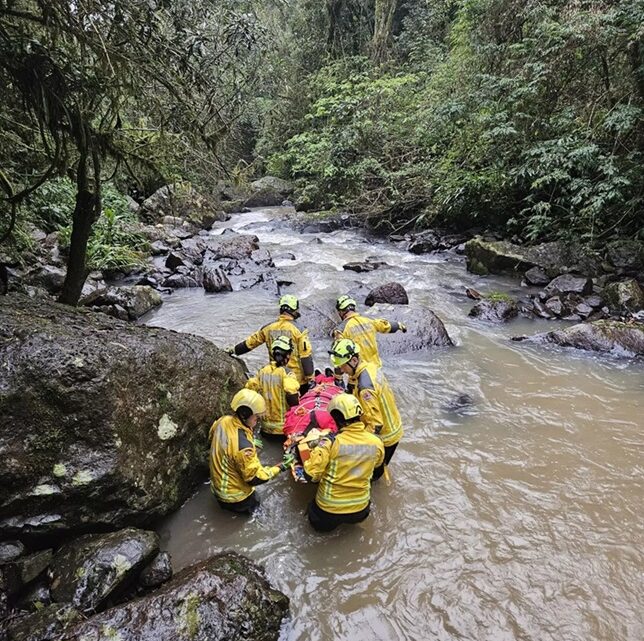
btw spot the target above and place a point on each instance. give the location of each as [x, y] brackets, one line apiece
[344, 466]
[362, 330]
[371, 388]
[301, 361]
[277, 385]
[235, 469]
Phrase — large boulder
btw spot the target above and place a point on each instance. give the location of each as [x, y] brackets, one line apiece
[136, 300]
[624, 296]
[46, 624]
[89, 570]
[607, 336]
[102, 423]
[283, 187]
[502, 257]
[181, 201]
[569, 284]
[224, 598]
[626, 256]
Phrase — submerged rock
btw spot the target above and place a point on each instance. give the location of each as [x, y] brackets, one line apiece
[102, 423]
[90, 569]
[392, 293]
[606, 336]
[222, 599]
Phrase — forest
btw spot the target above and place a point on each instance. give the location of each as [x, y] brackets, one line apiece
[520, 116]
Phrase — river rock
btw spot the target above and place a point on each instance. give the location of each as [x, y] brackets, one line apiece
[266, 197]
[536, 276]
[47, 277]
[36, 597]
[157, 572]
[280, 185]
[10, 550]
[102, 423]
[567, 284]
[366, 266]
[18, 573]
[135, 300]
[392, 293]
[495, 310]
[606, 336]
[214, 280]
[90, 569]
[46, 624]
[177, 281]
[230, 245]
[623, 296]
[222, 599]
[181, 202]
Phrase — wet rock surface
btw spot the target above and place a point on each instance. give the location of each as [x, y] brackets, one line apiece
[606, 336]
[392, 293]
[569, 284]
[134, 300]
[10, 550]
[16, 574]
[495, 310]
[157, 572]
[46, 624]
[93, 568]
[102, 423]
[223, 598]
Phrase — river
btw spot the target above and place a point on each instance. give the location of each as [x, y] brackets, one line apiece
[515, 517]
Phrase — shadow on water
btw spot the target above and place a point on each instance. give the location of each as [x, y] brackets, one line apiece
[515, 508]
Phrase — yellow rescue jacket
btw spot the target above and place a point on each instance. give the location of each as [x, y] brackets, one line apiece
[234, 465]
[301, 361]
[344, 468]
[381, 415]
[362, 331]
[274, 384]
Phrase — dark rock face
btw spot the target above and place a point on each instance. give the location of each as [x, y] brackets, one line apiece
[393, 293]
[627, 256]
[536, 276]
[610, 337]
[87, 571]
[222, 599]
[10, 550]
[569, 284]
[214, 280]
[102, 423]
[48, 277]
[36, 596]
[495, 310]
[136, 300]
[157, 572]
[14, 575]
[625, 296]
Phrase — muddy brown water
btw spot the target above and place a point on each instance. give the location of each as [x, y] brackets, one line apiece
[514, 513]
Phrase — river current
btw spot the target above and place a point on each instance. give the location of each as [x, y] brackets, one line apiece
[515, 516]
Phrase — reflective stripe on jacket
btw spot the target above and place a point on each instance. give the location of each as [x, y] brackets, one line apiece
[274, 384]
[234, 465]
[381, 415]
[344, 468]
[362, 331]
[301, 361]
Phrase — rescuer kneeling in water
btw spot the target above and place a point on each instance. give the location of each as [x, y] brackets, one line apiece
[301, 361]
[278, 385]
[370, 386]
[235, 469]
[344, 466]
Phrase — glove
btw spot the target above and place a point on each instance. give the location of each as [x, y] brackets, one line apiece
[287, 461]
[258, 443]
[230, 350]
[402, 327]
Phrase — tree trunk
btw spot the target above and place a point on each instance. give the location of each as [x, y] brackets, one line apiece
[383, 22]
[86, 211]
[333, 8]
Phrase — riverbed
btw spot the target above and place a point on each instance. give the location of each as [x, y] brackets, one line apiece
[515, 506]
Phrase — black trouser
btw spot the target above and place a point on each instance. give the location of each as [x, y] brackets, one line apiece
[389, 452]
[241, 507]
[324, 521]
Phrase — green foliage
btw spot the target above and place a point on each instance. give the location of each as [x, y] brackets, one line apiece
[522, 116]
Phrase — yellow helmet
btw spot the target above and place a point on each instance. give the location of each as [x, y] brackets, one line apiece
[289, 302]
[250, 399]
[347, 405]
[343, 351]
[283, 343]
[344, 302]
